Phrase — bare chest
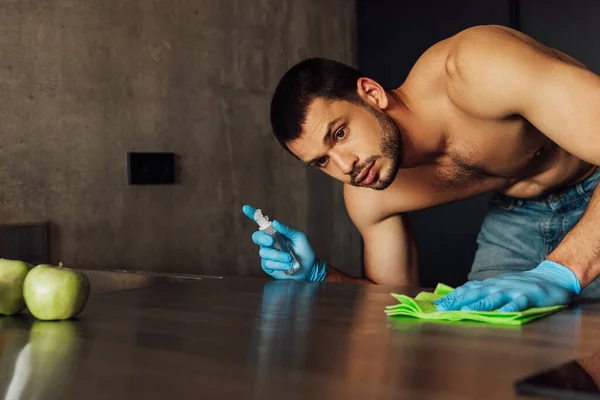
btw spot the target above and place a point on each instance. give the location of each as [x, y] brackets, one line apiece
[511, 156]
[482, 150]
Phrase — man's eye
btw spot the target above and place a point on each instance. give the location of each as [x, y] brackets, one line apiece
[322, 161]
[340, 134]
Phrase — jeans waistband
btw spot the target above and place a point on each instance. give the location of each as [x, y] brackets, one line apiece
[582, 190]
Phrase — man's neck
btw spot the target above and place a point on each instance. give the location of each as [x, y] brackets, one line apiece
[424, 138]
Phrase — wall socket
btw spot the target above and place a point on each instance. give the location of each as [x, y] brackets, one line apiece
[151, 168]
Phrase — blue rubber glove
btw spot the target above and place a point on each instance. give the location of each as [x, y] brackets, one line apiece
[275, 262]
[549, 284]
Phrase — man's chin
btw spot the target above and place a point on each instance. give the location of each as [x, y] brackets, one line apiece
[381, 184]
[378, 183]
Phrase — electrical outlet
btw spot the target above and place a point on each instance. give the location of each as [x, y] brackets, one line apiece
[151, 168]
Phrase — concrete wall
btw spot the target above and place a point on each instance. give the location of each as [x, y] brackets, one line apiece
[82, 83]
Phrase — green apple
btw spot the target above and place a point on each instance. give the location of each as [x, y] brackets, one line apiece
[55, 293]
[12, 275]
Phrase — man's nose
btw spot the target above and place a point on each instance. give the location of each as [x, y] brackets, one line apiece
[344, 161]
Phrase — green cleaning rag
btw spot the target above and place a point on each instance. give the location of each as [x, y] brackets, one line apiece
[421, 307]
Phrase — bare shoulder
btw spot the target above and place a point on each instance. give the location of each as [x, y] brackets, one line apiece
[482, 45]
[467, 40]
[490, 69]
[454, 59]
[489, 35]
[483, 32]
[488, 43]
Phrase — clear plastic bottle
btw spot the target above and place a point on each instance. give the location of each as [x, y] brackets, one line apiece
[280, 242]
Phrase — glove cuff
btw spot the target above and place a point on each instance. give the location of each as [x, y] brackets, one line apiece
[318, 272]
[563, 274]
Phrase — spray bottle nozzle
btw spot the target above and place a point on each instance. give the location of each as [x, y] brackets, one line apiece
[261, 220]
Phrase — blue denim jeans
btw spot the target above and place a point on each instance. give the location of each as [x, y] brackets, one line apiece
[518, 234]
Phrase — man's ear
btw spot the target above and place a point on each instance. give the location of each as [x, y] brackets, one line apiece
[372, 92]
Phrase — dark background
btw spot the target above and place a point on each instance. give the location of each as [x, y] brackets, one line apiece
[393, 34]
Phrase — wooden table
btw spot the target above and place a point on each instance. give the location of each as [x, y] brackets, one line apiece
[236, 338]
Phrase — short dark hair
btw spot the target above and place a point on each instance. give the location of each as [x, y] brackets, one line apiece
[303, 83]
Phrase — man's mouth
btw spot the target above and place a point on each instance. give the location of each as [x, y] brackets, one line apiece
[366, 176]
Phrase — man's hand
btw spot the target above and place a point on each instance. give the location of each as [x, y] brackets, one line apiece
[549, 284]
[275, 262]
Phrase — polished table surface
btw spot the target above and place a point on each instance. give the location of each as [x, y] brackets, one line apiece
[151, 337]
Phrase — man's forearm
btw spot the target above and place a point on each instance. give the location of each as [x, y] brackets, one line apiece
[580, 248]
[334, 275]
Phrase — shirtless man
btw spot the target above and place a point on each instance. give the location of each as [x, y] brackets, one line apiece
[487, 110]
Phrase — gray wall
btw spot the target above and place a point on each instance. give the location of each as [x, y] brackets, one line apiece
[84, 82]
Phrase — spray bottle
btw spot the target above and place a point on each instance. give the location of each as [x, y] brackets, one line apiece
[280, 242]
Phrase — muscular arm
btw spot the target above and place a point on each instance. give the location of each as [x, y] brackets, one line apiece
[390, 254]
[497, 73]
[580, 248]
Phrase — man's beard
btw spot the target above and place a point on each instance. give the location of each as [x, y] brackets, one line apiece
[390, 147]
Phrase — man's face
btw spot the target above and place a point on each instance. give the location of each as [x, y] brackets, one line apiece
[356, 144]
